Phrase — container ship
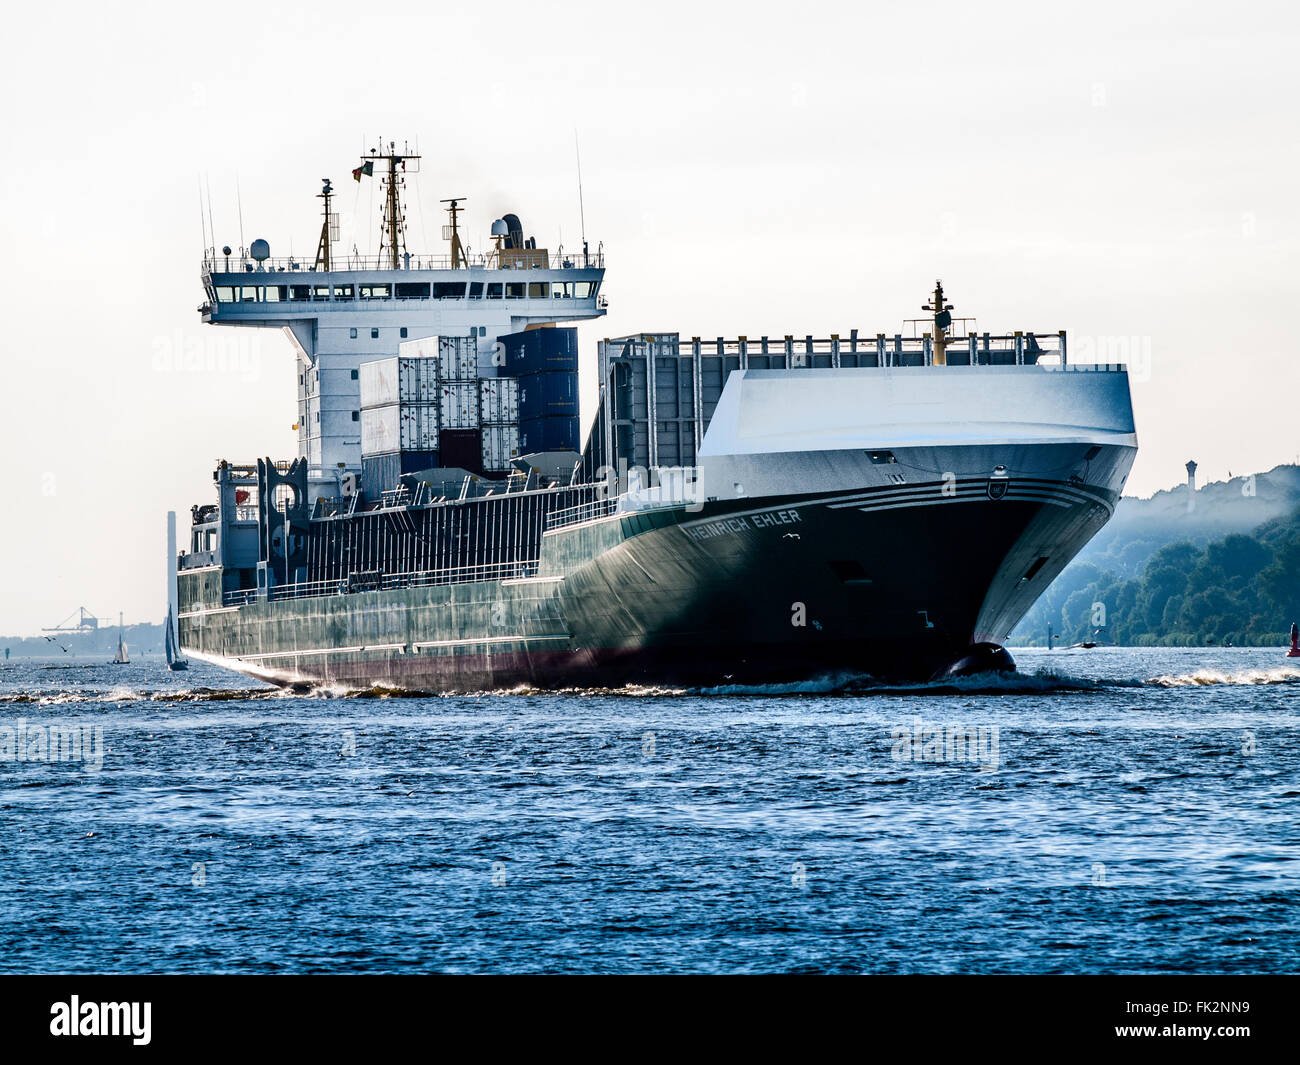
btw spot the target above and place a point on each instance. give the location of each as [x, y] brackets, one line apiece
[743, 510]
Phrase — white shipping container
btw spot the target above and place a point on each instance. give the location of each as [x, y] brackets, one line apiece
[498, 400]
[459, 356]
[398, 380]
[424, 348]
[380, 430]
[399, 427]
[500, 445]
[419, 426]
[458, 404]
[417, 380]
[378, 382]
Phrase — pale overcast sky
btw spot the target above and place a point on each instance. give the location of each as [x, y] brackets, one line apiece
[1119, 170]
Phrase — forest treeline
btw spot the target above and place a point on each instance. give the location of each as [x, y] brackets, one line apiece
[1243, 589]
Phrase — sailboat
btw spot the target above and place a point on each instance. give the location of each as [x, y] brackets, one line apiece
[171, 643]
[175, 660]
[120, 658]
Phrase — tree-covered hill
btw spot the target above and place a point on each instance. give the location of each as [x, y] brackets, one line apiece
[1226, 572]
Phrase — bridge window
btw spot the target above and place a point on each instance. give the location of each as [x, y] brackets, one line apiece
[476, 290]
[275, 293]
[320, 292]
[248, 294]
[584, 290]
[562, 290]
[494, 290]
[226, 294]
[376, 292]
[343, 292]
[413, 290]
[300, 292]
[539, 290]
[448, 290]
[515, 290]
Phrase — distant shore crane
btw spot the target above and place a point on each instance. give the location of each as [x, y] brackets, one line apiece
[86, 622]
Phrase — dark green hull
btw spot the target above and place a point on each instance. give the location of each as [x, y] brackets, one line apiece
[894, 583]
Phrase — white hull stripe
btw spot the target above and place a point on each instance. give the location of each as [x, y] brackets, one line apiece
[400, 648]
[921, 493]
[960, 499]
[934, 492]
[487, 639]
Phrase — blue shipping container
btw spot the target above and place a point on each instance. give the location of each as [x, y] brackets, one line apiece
[539, 351]
[548, 395]
[548, 434]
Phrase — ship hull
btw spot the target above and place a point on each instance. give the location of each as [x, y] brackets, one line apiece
[888, 582]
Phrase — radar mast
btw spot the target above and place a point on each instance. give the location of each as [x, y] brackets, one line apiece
[942, 323]
[329, 230]
[392, 234]
[451, 232]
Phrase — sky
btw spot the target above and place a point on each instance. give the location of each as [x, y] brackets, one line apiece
[1123, 171]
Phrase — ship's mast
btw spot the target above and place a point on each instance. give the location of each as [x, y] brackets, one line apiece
[329, 227]
[451, 232]
[942, 323]
[392, 234]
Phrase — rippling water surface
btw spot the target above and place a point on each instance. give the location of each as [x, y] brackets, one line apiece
[1125, 811]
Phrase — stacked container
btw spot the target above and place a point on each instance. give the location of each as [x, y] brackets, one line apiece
[400, 420]
[458, 402]
[545, 362]
[459, 358]
[499, 417]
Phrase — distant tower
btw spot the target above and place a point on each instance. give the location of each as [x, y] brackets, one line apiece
[1191, 486]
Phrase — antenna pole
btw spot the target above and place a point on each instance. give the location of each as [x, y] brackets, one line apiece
[323, 249]
[239, 200]
[452, 233]
[393, 249]
[203, 222]
[392, 232]
[942, 323]
[212, 229]
[582, 214]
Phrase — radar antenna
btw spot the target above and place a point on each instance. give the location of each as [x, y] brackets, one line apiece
[451, 232]
[329, 230]
[942, 323]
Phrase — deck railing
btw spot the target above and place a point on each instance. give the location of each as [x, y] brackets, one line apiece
[237, 264]
[596, 508]
[374, 582]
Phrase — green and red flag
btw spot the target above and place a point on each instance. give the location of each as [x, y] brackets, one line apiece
[367, 168]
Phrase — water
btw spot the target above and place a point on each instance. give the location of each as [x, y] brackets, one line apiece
[1140, 812]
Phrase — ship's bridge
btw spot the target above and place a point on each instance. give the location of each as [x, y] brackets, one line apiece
[362, 309]
[278, 292]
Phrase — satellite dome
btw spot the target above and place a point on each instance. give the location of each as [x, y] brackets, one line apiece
[260, 250]
[500, 229]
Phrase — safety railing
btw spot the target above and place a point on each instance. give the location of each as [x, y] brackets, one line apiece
[596, 508]
[376, 581]
[237, 264]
